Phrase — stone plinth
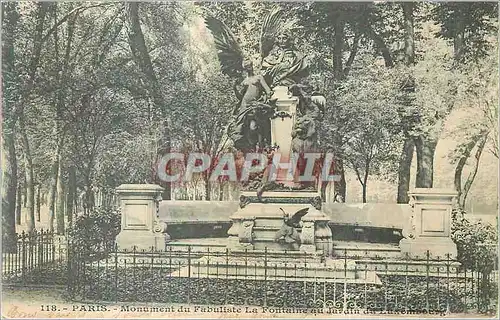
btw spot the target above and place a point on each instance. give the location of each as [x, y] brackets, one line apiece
[281, 128]
[315, 233]
[257, 221]
[430, 226]
[140, 226]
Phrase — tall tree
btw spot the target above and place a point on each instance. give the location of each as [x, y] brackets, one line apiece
[37, 40]
[406, 157]
[142, 59]
[374, 137]
[10, 18]
[480, 100]
[469, 27]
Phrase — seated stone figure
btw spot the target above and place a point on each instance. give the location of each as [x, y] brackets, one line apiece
[284, 65]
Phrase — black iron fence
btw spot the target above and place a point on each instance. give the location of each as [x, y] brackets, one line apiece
[39, 257]
[214, 275]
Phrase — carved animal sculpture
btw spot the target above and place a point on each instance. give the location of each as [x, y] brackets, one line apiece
[288, 233]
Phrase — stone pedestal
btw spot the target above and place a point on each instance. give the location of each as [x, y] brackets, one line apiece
[140, 227]
[430, 224]
[281, 128]
[258, 220]
[315, 233]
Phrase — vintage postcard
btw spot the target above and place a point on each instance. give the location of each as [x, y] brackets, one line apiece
[249, 159]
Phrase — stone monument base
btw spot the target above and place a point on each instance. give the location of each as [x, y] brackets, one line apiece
[142, 240]
[140, 227]
[430, 225]
[257, 222]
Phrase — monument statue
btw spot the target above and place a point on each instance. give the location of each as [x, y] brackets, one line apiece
[282, 64]
[250, 127]
[310, 110]
[278, 114]
[252, 86]
[265, 97]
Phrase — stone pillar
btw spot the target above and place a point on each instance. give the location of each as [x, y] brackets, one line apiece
[246, 234]
[316, 234]
[281, 128]
[234, 232]
[430, 225]
[140, 226]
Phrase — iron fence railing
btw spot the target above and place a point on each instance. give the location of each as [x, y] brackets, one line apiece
[214, 275]
[218, 276]
[32, 250]
[38, 257]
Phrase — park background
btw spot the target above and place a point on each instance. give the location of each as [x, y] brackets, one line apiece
[95, 93]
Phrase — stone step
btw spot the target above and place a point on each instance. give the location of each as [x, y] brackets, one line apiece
[329, 271]
[365, 249]
[270, 244]
[276, 254]
[267, 227]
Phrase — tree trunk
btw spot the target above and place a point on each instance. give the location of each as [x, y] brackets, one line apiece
[165, 145]
[208, 190]
[323, 187]
[362, 180]
[340, 186]
[406, 156]
[338, 48]
[29, 182]
[44, 198]
[221, 191]
[379, 42]
[425, 162]
[461, 164]
[71, 194]
[140, 54]
[9, 188]
[52, 197]
[19, 204]
[38, 202]
[10, 18]
[60, 200]
[365, 179]
[409, 33]
[53, 185]
[364, 192]
[472, 174]
[26, 89]
[89, 198]
[458, 40]
[23, 195]
[404, 170]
